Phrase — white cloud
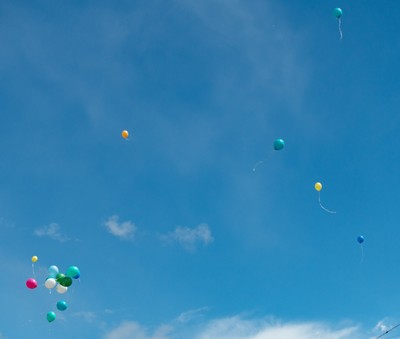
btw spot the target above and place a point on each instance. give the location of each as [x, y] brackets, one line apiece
[53, 231]
[125, 230]
[237, 327]
[132, 329]
[85, 315]
[190, 238]
[192, 314]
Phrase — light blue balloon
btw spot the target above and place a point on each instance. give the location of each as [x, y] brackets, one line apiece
[53, 271]
[337, 12]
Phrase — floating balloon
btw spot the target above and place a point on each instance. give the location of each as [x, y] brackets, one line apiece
[360, 240]
[73, 272]
[53, 271]
[278, 145]
[318, 188]
[125, 134]
[61, 289]
[62, 305]
[59, 277]
[65, 281]
[35, 258]
[31, 283]
[51, 316]
[50, 283]
[337, 12]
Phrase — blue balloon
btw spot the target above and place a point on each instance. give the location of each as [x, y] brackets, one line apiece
[62, 305]
[278, 144]
[360, 239]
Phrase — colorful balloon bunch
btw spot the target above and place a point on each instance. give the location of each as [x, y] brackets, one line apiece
[59, 281]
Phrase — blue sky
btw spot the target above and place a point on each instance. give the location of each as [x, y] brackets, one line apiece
[174, 234]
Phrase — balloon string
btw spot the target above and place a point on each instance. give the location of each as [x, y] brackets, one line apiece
[260, 162]
[324, 208]
[340, 29]
[33, 270]
[362, 254]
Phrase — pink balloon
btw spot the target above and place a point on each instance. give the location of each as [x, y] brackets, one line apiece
[31, 283]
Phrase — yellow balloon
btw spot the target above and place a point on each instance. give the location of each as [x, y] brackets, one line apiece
[318, 186]
[35, 258]
[125, 134]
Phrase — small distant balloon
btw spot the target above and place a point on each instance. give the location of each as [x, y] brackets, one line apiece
[318, 188]
[279, 144]
[31, 283]
[125, 134]
[51, 316]
[337, 12]
[360, 239]
[35, 258]
[62, 305]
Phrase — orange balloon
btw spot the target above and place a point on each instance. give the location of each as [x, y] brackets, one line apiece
[125, 134]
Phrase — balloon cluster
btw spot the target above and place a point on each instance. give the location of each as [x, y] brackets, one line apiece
[59, 281]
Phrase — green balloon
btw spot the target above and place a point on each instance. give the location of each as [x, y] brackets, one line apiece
[73, 272]
[65, 281]
[60, 276]
[337, 12]
[51, 316]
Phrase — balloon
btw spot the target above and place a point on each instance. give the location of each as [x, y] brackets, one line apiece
[53, 271]
[65, 281]
[73, 272]
[50, 283]
[51, 316]
[60, 276]
[31, 283]
[318, 186]
[125, 134]
[61, 289]
[35, 258]
[278, 144]
[360, 239]
[337, 12]
[62, 305]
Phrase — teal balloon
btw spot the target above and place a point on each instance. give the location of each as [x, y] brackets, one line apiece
[337, 12]
[65, 281]
[51, 316]
[279, 144]
[73, 272]
[62, 305]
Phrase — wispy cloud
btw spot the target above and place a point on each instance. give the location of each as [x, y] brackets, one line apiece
[132, 329]
[87, 316]
[125, 230]
[187, 316]
[53, 231]
[238, 327]
[190, 238]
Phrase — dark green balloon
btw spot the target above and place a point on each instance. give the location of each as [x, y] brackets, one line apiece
[65, 281]
[60, 276]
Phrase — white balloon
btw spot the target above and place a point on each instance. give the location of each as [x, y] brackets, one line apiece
[50, 283]
[61, 289]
